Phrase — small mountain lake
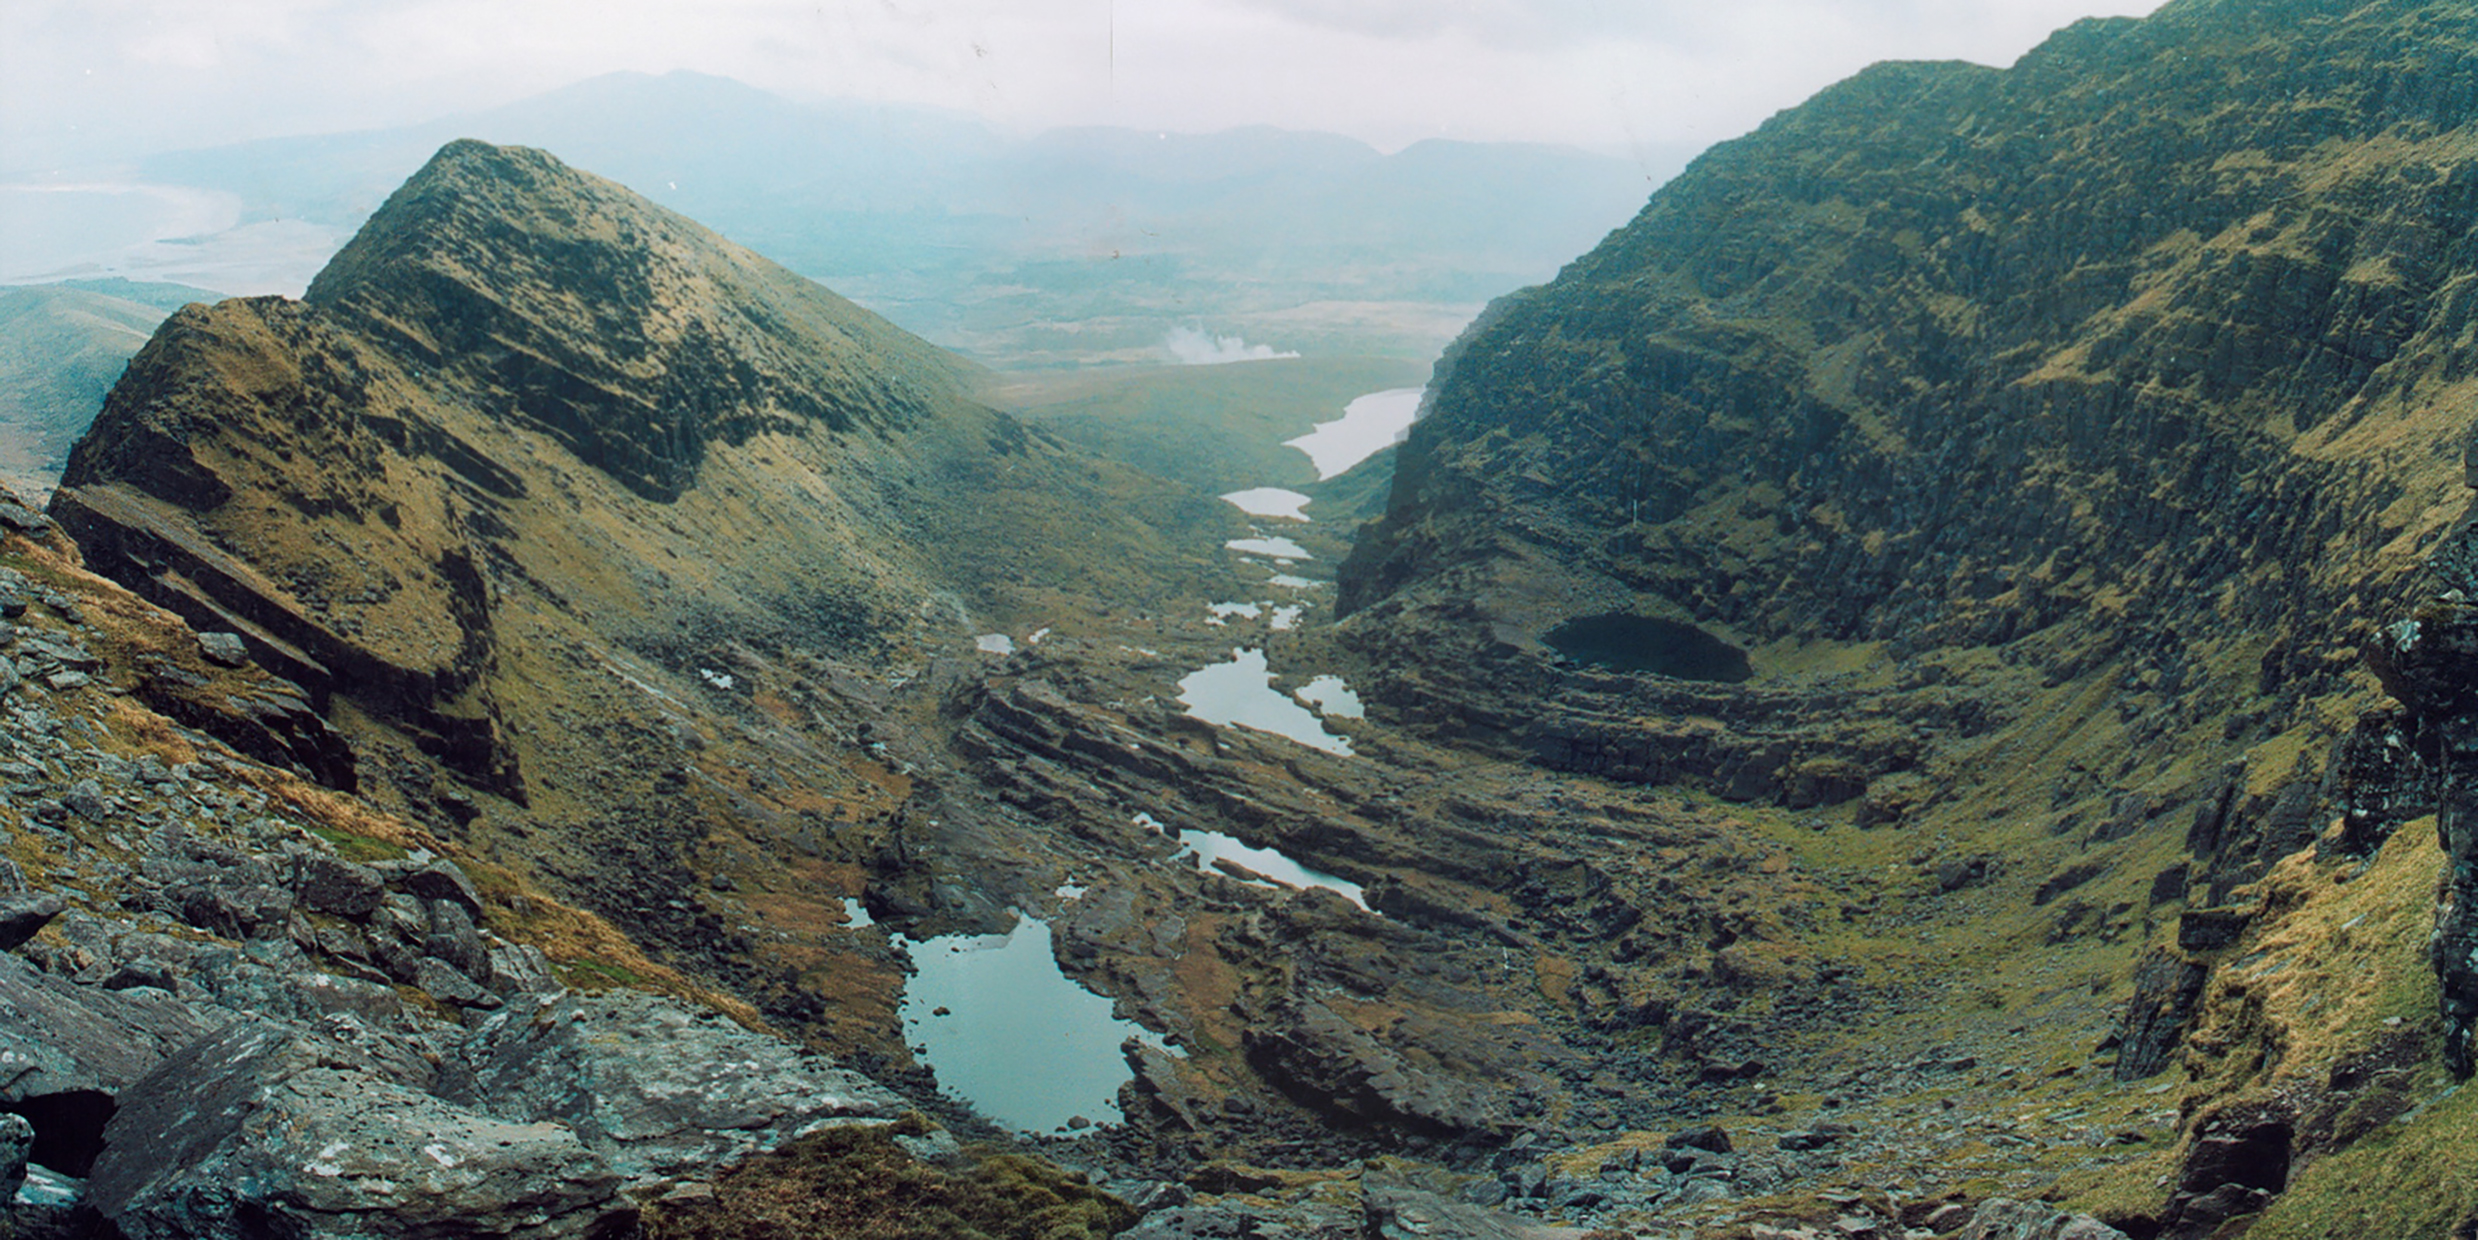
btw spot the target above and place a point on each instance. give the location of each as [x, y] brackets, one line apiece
[1019, 1040]
[1208, 847]
[1629, 643]
[1240, 694]
[1270, 502]
[1368, 425]
[1271, 548]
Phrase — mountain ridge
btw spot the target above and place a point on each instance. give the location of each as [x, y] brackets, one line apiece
[455, 498]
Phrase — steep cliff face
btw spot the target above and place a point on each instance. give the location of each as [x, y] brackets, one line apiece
[2026, 456]
[586, 521]
[2155, 345]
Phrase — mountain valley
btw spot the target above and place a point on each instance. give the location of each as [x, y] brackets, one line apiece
[1917, 688]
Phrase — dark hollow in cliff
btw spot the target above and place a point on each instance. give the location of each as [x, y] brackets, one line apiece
[1630, 643]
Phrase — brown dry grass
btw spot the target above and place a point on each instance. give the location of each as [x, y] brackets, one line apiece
[858, 1184]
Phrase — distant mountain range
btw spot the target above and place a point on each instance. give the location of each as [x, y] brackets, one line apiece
[1072, 246]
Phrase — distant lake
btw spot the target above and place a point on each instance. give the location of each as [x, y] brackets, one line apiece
[1270, 548]
[1270, 502]
[1367, 426]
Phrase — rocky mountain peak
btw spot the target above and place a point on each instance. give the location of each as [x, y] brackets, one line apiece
[633, 335]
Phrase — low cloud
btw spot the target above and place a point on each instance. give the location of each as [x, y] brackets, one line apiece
[1193, 347]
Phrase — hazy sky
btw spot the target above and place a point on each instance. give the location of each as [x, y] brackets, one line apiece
[87, 79]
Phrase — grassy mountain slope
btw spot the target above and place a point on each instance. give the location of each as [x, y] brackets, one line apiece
[62, 347]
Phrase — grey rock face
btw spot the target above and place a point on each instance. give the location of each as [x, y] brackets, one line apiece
[653, 1086]
[287, 1131]
[22, 916]
[519, 970]
[455, 939]
[330, 884]
[2429, 663]
[2167, 988]
[2000, 1218]
[16, 1139]
[224, 648]
[436, 880]
[1229, 1221]
[51, 1206]
[451, 987]
[24, 520]
[1404, 1212]
[61, 1037]
[1330, 1064]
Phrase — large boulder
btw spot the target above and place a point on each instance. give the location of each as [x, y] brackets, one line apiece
[62, 1038]
[657, 1088]
[16, 1143]
[2001, 1218]
[269, 1129]
[1328, 1063]
[24, 914]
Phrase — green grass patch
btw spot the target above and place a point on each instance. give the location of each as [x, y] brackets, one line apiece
[353, 847]
[598, 975]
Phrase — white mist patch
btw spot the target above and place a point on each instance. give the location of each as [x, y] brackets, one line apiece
[57, 228]
[995, 643]
[1192, 346]
[142, 231]
[1240, 694]
[1367, 426]
[1271, 548]
[1331, 697]
[1021, 1042]
[1272, 502]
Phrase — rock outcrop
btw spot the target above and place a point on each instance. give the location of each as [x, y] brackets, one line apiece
[2420, 758]
[235, 1003]
[292, 1131]
[658, 1091]
[534, 1127]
